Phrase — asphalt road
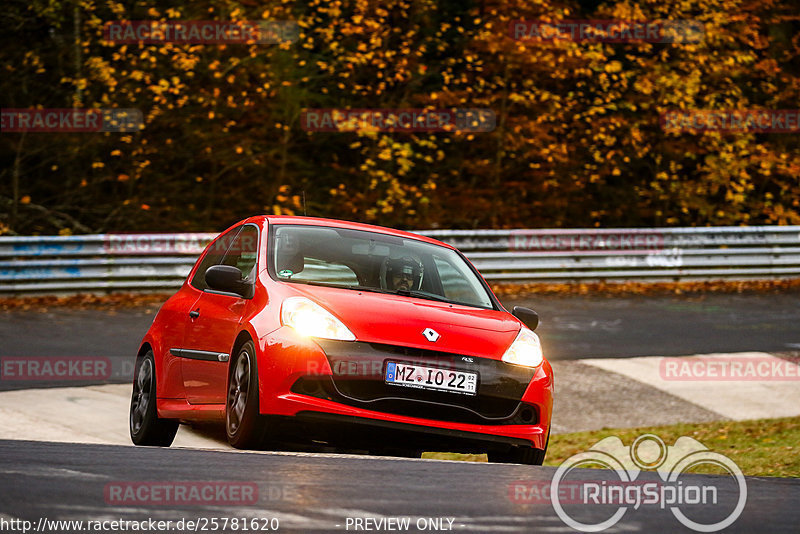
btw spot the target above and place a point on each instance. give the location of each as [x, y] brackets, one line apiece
[319, 492]
[598, 327]
[326, 493]
[571, 328]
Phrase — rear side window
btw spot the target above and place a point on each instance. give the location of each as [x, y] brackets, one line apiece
[213, 256]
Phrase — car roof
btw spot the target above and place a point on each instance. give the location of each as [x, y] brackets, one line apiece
[336, 223]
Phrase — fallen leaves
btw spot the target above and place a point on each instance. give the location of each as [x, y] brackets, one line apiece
[133, 300]
[110, 301]
[645, 288]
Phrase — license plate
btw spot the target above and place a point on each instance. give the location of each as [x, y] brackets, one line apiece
[423, 377]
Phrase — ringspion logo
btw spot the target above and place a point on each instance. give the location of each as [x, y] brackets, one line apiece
[572, 492]
[683, 497]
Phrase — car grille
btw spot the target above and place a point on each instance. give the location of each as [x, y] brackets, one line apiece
[358, 380]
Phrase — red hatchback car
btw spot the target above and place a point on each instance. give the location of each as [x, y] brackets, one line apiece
[295, 328]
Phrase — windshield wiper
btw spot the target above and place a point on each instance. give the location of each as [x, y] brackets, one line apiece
[313, 283]
[352, 288]
[406, 293]
[423, 295]
[371, 289]
[402, 292]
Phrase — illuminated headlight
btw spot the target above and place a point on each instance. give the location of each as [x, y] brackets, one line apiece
[525, 350]
[312, 320]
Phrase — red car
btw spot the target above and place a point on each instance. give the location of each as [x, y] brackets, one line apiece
[295, 328]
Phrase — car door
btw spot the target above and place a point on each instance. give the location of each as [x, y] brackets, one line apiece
[214, 324]
[174, 318]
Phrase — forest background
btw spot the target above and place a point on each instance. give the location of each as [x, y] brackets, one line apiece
[577, 143]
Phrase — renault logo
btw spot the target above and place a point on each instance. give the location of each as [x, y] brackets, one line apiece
[431, 335]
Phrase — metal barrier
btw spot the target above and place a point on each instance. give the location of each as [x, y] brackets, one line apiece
[103, 262]
[108, 262]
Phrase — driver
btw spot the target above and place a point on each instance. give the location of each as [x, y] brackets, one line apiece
[404, 274]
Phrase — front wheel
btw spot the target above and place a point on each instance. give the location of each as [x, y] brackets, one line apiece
[245, 427]
[146, 427]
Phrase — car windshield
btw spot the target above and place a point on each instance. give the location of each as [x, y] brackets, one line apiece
[371, 261]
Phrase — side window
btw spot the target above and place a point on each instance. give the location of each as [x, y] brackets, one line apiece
[243, 252]
[213, 256]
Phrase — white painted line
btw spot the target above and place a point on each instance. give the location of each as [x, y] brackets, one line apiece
[53, 472]
[91, 414]
[704, 381]
[99, 414]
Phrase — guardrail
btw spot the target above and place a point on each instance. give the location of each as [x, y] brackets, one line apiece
[109, 262]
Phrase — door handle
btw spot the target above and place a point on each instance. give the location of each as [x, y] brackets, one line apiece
[194, 314]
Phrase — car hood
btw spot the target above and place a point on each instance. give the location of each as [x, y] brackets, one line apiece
[400, 320]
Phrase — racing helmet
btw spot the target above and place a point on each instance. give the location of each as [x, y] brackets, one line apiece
[403, 273]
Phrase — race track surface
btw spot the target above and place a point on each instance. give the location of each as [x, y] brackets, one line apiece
[319, 492]
[64, 445]
[571, 328]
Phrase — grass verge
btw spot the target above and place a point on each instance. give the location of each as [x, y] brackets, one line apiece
[762, 447]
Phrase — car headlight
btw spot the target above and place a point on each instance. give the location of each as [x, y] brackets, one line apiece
[311, 319]
[525, 350]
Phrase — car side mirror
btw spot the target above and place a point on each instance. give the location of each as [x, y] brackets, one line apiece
[228, 279]
[529, 317]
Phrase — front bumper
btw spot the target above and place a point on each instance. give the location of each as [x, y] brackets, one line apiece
[330, 383]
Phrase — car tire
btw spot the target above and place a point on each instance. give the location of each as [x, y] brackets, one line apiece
[244, 425]
[146, 428]
[521, 455]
